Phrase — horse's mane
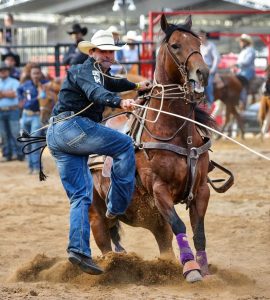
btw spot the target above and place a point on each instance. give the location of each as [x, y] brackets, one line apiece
[180, 27]
[205, 118]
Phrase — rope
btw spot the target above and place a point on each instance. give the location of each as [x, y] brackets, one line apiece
[207, 127]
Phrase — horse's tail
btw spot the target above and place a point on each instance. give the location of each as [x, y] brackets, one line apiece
[205, 118]
[116, 237]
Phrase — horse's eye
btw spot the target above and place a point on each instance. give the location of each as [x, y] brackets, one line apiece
[175, 46]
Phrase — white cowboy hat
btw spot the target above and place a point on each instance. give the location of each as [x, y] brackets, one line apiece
[245, 37]
[114, 29]
[131, 35]
[102, 40]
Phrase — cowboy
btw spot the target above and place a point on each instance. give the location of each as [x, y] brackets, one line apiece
[88, 88]
[246, 66]
[73, 55]
[12, 60]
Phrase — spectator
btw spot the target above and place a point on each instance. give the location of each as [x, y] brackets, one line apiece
[211, 57]
[131, 51]
[26, 71]
[9, 115]
[118, 55]
[73, 55]
[28, 93]
[12, 60]
[246, 66]
[8, 33]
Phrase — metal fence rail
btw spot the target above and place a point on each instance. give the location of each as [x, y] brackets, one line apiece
[51, 56]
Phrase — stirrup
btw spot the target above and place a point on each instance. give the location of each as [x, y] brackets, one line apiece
[228, 183]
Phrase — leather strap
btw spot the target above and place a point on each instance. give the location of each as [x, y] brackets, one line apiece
[195, 152]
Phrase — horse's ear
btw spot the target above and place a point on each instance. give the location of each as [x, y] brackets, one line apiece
[163, 23]
[188, 22]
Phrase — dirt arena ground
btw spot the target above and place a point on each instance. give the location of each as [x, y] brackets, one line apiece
[34, 230]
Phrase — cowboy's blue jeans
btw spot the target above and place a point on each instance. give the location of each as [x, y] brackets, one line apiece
[70, 142]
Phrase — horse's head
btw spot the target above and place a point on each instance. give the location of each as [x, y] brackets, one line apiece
[45, 107]
[179, 60]
[46, 103]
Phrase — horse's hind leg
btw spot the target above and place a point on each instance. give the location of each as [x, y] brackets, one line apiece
[266, 124]
[164, 203]
[99, 224]
[239, 121]
[197, 212]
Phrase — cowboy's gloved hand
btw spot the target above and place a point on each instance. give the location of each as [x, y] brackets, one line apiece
[127, 104]
[144, 86]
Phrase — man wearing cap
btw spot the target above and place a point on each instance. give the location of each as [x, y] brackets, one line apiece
[9, 114]
[73, 55]
[12, 60]
[245, 64]
[72, 140]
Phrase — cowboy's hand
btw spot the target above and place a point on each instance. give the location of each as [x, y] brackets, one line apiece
[127, 104]
[144, 86]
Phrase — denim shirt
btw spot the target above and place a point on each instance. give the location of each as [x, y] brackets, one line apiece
[28, 92]
[245, 62]
[83, 85]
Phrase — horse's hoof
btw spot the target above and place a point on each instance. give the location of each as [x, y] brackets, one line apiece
[119, 249]
[192, 271]
[194, 276]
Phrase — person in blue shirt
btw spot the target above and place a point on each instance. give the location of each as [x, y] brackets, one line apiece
[86, 91]
[9, 115]
[28, 94]
[246, 66]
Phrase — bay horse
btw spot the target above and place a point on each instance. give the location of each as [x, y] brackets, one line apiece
[228, 90]
[264, 110]
[50, 91]
[172, 159]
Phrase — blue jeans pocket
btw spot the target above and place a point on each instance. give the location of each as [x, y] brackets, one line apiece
[71, 134]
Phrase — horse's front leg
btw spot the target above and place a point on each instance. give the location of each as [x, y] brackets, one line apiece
[165, 205]
[197, 212]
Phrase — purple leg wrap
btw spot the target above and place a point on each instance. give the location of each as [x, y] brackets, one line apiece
[185, 251]
[201, 259]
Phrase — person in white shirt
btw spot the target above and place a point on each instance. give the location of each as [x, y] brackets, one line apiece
[211, 57]
[131, 51]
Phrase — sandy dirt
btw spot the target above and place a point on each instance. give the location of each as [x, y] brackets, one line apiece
[34, 228]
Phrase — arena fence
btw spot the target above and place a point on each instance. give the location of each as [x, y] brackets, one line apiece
[51, 56]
